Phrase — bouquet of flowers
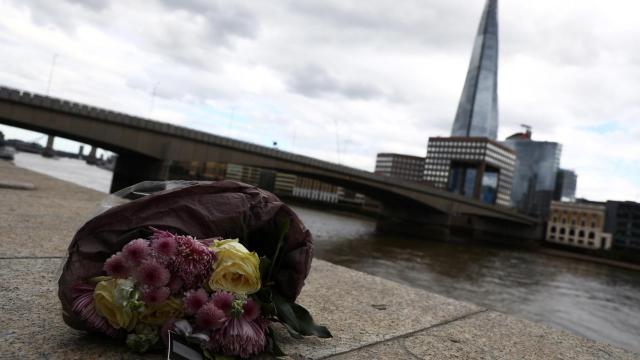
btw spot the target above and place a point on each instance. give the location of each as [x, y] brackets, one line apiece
[213, 264]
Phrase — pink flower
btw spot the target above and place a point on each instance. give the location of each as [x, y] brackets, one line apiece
[83, 306]
[136, 251]
[223, 300]
[192, 261]
[251, 310]
[164, 244]
[117, 267]
[210, 317]
[194, 300]
[156, 295]
[152, 274]
[240, 337]
[175, 284]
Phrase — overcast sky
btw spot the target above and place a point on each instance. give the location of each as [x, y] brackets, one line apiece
[343, 80]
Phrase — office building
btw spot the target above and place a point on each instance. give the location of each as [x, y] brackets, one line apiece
[399, 166]
[565, 190]
[479, 168]
[579, 224]
[534, 180]
[623, 222]
[477, 114]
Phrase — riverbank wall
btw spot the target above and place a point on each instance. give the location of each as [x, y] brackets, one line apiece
[370, 317]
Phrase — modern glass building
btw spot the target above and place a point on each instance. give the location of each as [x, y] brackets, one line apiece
[623, 221]
[566, 181]
[478, 168]
[534, 180]
[477, 114]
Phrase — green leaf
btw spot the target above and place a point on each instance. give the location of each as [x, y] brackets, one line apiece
[265, 269]
[272, 345]
[297, 319]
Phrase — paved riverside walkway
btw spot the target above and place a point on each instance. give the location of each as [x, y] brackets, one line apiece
[371, 318]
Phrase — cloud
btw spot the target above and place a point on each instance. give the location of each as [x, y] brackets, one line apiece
[341, 80]
[315, 81]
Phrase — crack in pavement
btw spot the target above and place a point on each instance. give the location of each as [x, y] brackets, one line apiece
[408, 335]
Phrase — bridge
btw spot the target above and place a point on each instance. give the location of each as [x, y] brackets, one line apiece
[146, 149]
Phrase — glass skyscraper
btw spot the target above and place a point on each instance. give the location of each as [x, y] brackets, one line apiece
[477, 114]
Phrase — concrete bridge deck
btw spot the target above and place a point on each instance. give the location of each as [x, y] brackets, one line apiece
[145, 146]
[371, 318]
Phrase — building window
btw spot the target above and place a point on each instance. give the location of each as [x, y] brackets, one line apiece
[553, 229]
[592, 235]
[581, 233]
[564, 220]
[572, 232]
[590, 243]
[562, 231]
[580, 242]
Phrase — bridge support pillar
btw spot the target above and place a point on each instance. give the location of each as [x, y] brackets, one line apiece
[413, 220]
[48, 150]
[416, 221]
[133, 168]
[91, 159]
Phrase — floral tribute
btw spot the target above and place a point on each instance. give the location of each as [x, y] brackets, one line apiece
[214, 293]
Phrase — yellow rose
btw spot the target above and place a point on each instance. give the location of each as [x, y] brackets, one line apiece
[236, 269]
[158, 314]
[109, 303]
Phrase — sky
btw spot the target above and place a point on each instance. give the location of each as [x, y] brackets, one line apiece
[342, 80]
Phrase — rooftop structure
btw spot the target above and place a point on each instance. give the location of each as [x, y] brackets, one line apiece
[477, 114]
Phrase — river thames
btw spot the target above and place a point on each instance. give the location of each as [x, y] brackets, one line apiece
[597, 301]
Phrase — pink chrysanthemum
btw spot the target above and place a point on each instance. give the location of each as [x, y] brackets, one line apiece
[136, 251]
[152, 274]
[250, 310]
[156, 295]
[117, 267]
[164, 244]
[83, 306]
[194, 300]
[240, 337]
[192, 261]
[210, 317]
[223, 300]
[175, 284]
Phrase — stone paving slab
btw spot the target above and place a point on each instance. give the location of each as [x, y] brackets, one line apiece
[41, 222]
[489, 335]
[361, 309]
[32, 325]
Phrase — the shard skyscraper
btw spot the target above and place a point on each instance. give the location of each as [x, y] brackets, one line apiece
[477, 114]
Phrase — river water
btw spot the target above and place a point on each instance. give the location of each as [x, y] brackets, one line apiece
[592, 300]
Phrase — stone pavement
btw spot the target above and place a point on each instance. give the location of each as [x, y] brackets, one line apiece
[371, 318]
